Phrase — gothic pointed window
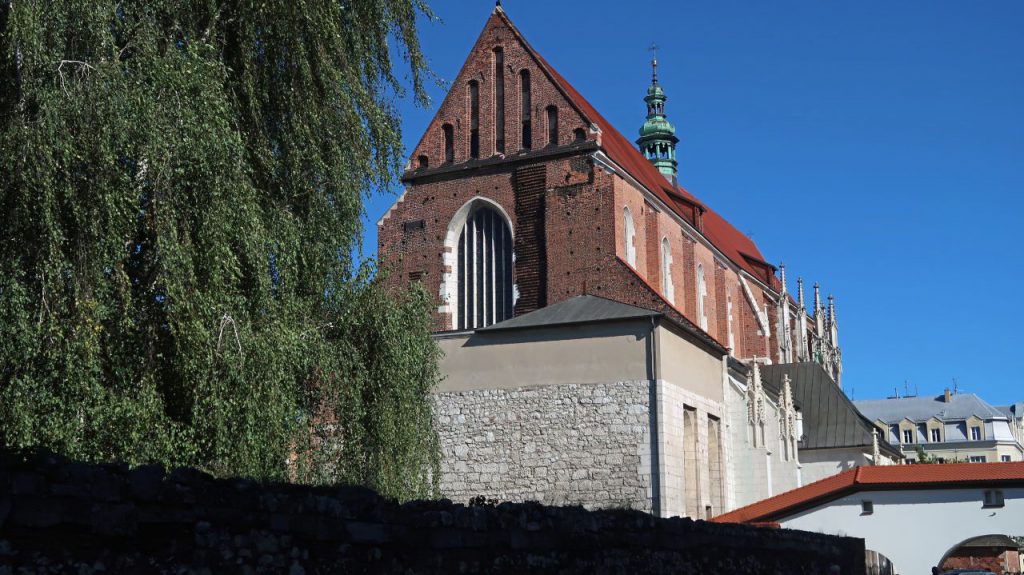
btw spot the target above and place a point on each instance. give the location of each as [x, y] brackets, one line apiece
[702, 292]
[474, 119]
[667, 287]
[484, 269]
[629, 237]
[499, 100]
[449, 143]
[552, 126]
[526, 139]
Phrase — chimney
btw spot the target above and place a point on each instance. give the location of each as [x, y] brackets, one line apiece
[947, 396]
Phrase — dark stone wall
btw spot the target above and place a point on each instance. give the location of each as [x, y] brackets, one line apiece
[60, 516]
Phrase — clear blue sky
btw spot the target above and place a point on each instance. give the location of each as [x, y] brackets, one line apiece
[876, 147]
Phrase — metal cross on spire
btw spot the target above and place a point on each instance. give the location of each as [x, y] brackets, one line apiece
[654, 63]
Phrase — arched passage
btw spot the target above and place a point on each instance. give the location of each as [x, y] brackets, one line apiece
[997, 553]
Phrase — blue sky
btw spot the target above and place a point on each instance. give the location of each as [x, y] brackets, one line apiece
[876, 147]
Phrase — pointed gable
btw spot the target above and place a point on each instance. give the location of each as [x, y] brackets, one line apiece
[550, 88]
[472, 104]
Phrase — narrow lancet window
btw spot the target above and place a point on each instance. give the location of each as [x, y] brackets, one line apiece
[449, 143]
[702, 292]
[474, 119]
[524, 99]
[499, 100]
[629, 233]
[667, 286]
[552, 126]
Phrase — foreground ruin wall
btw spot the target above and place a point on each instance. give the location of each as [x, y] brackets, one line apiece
[60, 516]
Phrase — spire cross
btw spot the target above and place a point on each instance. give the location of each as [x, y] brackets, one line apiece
[654, 63]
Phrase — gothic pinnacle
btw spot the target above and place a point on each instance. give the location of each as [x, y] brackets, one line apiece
[831, 309]
[817, 297]
[782, 277]
[800, 292]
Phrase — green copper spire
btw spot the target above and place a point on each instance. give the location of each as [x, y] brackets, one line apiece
[658, 136]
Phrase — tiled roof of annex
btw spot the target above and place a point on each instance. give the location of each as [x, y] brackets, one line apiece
[736, 246]
[877, 478]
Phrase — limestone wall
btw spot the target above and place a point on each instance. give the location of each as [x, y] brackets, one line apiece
[58, 516]
[556, 444]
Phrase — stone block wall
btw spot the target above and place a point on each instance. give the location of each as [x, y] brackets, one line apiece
[580, 444]
[59, 516]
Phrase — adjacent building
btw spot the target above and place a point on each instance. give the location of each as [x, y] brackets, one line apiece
[915, 516]
[949, 427]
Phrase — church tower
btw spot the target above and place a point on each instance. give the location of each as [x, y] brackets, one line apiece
[658, 136]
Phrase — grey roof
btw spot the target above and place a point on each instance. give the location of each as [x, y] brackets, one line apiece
[830, 419]
[923, 408]
[1015, 411]
[579, 309]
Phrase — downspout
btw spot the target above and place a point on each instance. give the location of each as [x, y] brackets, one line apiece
[657, 430]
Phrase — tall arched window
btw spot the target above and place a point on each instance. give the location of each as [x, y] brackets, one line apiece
[629, 236]
[667, 286]
[474, 119]
[449, 143]
[484, 269]
[552, 126]
[702, 292]
[499, 100]
[526, 139]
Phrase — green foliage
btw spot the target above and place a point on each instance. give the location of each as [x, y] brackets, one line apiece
[181, 190]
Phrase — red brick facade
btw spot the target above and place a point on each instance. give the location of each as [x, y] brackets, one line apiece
[565, 203]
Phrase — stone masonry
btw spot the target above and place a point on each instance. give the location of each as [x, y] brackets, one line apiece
[585, 444]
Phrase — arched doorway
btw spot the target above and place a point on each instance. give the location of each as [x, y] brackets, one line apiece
[996, 553]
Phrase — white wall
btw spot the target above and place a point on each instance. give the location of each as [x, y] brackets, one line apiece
[915, 528]
[817, 464]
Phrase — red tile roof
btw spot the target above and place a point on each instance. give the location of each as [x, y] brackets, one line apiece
[877, 478]
[719, 232]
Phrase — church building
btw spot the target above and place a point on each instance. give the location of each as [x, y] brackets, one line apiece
[603, 328]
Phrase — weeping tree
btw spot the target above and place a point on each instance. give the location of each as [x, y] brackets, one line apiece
[182, 183]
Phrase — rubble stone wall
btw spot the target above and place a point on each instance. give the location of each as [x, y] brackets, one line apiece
[60, 516]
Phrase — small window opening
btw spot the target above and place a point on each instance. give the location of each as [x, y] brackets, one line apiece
[552, 126]
[449, 143]
[474, 119]
[994, 498]
[579, 134]
[499, 100]
[524, 99]
[867, 507]
[423, 161]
